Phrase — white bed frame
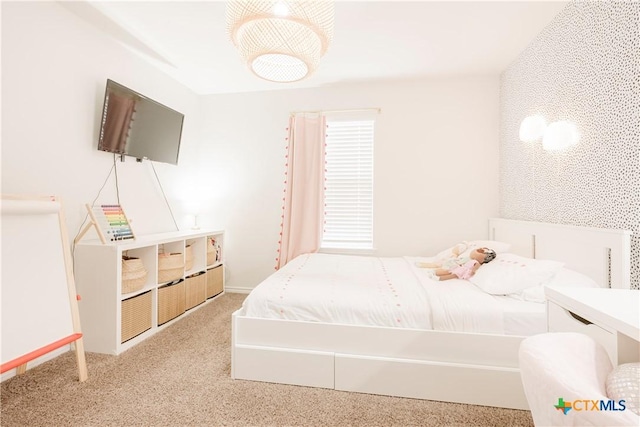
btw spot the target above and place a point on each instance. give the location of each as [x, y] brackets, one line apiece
[459, 367]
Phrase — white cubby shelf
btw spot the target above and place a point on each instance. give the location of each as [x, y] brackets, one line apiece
[113, 321]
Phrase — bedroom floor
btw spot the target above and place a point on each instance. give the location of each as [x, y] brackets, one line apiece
[181, 377]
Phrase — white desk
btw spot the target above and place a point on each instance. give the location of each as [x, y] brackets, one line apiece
[610, 316]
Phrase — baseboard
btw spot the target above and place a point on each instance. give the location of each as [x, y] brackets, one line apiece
[237, 290]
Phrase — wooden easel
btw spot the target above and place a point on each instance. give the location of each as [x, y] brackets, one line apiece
[26, 295]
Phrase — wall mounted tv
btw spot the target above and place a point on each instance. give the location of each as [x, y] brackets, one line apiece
[136, 126]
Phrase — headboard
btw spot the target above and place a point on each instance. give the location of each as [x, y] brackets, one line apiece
[602, 254]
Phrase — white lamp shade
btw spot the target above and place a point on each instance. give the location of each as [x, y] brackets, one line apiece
[560, 135]
[281, 41]
[532, 128]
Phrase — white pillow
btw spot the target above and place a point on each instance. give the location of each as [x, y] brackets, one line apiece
[510, 273]
[563, 278]
[498, 247]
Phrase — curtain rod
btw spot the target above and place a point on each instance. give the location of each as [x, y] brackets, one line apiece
[354, 110]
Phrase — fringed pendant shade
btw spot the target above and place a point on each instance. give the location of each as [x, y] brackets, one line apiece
[281, 41]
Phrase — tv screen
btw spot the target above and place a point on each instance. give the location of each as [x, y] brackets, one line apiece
[137, 126]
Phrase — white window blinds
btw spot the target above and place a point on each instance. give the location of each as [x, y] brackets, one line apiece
[349, 185]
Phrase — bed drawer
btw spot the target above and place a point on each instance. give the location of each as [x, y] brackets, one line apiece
[562, 320]
[284, 366]
[420, 379]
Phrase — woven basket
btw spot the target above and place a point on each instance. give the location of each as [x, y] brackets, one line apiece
[215, 282]
[212, 252]
[134, 275]
[170, 267]
[136, 316]
[171, 302]
[188, 257]
[195, 290]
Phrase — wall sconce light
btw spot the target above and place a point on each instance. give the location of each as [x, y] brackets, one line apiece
[532, 128]
[555, 136]
[560, 135]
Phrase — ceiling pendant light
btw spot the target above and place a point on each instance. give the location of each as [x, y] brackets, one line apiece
[281, 41]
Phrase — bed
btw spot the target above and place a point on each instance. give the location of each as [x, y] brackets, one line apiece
[382, 326]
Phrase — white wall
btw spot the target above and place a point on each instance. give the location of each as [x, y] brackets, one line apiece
[54, 71]
[436, 165]
[436, 148]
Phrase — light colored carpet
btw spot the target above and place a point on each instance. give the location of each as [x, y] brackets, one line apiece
[181, 377]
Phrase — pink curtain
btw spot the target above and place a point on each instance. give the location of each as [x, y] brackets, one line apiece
[303, 210]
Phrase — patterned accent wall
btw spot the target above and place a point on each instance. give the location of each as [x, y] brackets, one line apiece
[583, 67]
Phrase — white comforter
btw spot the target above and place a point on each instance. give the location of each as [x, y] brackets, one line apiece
[372, 291]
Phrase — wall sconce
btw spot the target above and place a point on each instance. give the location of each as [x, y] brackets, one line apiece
[555, 136]
[560, 135]
[532, 128]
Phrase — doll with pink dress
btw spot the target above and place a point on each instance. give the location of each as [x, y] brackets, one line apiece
[465, 270]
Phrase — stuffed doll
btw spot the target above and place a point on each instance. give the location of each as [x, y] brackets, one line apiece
[448, 258]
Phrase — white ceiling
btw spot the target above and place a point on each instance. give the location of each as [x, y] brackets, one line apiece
[373, 40]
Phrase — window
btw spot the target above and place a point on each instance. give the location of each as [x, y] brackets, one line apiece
[349, 184]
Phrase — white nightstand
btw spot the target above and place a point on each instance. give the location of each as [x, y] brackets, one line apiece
[610, 316]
